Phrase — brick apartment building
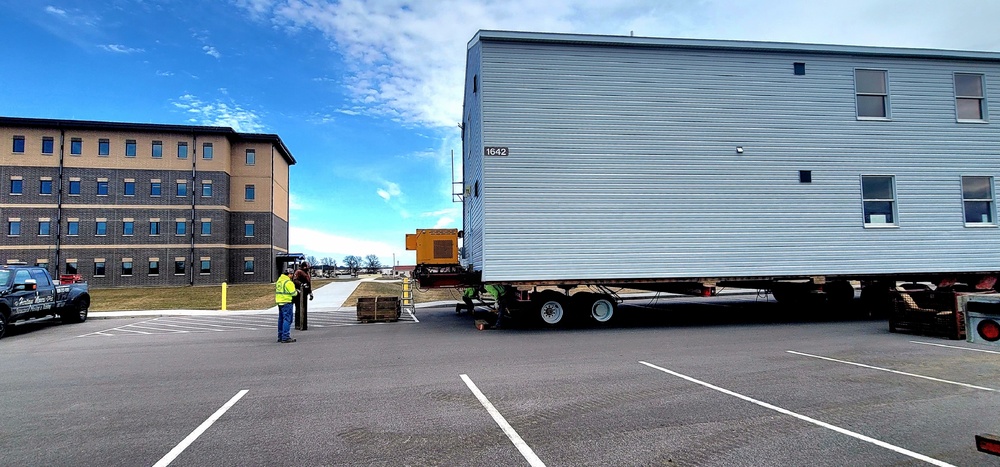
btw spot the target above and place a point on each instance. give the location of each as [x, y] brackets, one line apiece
[131, 204]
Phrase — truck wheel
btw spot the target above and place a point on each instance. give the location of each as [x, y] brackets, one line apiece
[78, 311]
[3, 324]
[551, 309]
[839, 293]
[601, 308]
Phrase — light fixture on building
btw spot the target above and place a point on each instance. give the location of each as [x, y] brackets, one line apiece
[739, 149]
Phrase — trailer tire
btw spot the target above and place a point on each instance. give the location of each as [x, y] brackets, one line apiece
[551, 308]
[839, 293]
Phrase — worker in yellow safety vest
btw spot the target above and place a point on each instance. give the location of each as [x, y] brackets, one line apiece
[284, 294]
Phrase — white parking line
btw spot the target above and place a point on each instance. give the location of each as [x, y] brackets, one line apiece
[177, 450]
[956, 347]
[931, 378]
[526, 451]
[882, 444]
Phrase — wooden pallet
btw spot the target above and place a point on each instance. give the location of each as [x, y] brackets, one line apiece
[378, 309]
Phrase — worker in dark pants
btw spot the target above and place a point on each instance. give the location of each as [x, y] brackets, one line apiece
[303, 284]
[467, 295]
[499, 294]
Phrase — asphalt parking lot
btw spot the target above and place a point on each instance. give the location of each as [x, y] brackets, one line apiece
[693, 381]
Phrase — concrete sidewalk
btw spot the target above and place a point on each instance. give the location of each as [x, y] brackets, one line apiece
[329, 297]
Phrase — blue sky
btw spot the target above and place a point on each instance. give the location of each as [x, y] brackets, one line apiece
[367, 95]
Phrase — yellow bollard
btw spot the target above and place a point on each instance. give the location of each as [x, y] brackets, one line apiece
[224, 286]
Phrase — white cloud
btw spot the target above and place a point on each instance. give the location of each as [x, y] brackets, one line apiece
[407, 57]
[389, 191]
[118, 48]
[55, 11]
[209, 50]
[294, 204]
[444, 222]
[219, 113]
[164, 73]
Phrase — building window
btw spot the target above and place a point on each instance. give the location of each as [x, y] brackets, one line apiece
[206, 189]
[126, 267]
[154, 267]
[130, 148]
[73, 228]
[16, 186]
[969, 99]
[879, 195]
[76, 146]
[251, 156]
[181, 228]
[977, 197]
[178, 267]
[128, 228]
[74, 187]
[99, 268]
[248, 230]
[872, 93]
[206, 227]
[249, 193]
[101, 228]
[206, 151]
[102, 188]
[103, 147]
[154, 228]
[14, 227]
[182, 150]
[157, 149]
[45, 187]
[154, 189]
[247, 266]
[48, 145]
[44, 228]
[18, 144]
[206, 266]
[182, 188]
[71, 267]
[129, 188]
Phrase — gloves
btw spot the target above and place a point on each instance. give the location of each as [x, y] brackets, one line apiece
[310, 296]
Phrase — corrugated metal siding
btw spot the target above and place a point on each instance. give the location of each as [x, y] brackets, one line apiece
[472, 160]
[623, 164]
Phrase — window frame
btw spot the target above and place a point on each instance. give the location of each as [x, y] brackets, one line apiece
[14, 227]
[72, 228]
[76, 146]
[858, 94]
[207, 151]
[41, 187]
[180, 267]
[16, 186]
[154, 228]
[153, 267]
[866, 216]
[206, 185]
[249, 192]
[180, 228]
[182, 154]
[128, 270]
[248, 266]
[990, 202]
[251, 157]
[983, 114]
[156, 149]
[48, 142]
[128, 228]
[77, 184]
[101, 266]
[99, 226]
[177, 189]
[155, 189]
[106, 187]
[131, 148]
[47, 230]
[15, 147]
[204, 267]
[206, 228]
[104, 147]
[128, 188]
[249, 230]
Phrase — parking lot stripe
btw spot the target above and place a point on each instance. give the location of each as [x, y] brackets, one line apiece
[883, 444]
[956, 347]
[931, 378]
[177, 450]
[526, 451]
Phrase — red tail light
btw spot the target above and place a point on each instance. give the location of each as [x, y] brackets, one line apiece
[989, 329]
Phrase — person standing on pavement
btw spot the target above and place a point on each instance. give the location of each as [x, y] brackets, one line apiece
[303, 285]
[499, 294]
[284, 294]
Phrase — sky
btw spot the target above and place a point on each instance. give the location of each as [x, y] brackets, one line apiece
[367, 95]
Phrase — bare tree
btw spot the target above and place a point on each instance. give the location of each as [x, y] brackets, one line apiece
[352, 263]
[372, 264]
[311, 260]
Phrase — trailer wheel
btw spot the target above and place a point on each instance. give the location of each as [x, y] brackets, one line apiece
[551, 308]
[3, 323]
[839, 293]
[602, 309]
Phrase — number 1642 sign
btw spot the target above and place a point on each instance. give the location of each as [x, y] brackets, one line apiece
[495, 151]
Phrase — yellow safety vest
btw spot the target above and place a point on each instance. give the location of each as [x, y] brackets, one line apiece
[284, 290]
